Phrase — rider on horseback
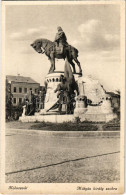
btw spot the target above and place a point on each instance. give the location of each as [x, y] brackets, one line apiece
[60, 39]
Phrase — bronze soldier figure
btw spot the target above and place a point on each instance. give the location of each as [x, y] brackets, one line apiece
[63, 94]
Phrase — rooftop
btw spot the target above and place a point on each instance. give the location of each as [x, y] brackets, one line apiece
[20, 79]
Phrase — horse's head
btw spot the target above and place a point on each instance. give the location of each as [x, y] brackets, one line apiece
[37, 44]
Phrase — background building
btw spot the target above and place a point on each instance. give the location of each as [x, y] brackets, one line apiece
[115, 98]
[21, 88]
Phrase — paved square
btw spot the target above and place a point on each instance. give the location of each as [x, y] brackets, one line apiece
[33, 157]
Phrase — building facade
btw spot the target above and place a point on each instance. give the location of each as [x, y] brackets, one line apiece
[115, 99]
[21, 88]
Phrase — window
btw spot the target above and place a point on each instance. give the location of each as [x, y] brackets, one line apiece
[36, 90]
[30, 89]
[14, 100]
[14, 89]
[25, 90]
[20, 100]
[20, 90]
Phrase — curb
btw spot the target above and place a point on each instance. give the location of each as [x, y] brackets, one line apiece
[80, 134]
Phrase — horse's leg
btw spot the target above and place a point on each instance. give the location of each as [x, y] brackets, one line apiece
[52, 59]
[50, 70]
[73, 65]
[78, 63]
[52, 65]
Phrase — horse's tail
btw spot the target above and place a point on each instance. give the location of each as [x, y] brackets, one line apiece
[74, 51]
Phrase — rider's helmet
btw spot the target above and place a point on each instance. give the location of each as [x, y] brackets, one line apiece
[59, 28]
[62, 78]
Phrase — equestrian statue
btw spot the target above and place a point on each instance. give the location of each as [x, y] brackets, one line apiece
[59, 49]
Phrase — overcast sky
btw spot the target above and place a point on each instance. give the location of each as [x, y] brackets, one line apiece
[93, 29]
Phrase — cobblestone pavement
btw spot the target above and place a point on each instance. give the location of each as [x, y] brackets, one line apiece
[41, 158]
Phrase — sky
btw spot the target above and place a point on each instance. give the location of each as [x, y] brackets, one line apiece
[93, 29]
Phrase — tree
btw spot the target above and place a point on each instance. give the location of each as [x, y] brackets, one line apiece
[9, 97]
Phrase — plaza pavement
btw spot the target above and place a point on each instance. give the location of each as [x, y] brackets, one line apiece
[34, 156]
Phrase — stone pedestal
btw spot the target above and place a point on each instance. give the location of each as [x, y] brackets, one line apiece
[101, 109]
[81, 105]
[24, 111]
[101, 113]
[52, 80]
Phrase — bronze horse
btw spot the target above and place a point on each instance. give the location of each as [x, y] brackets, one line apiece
[48, 47]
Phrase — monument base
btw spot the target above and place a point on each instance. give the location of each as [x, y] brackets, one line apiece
[97, 117]
[92, 104]
[48, 118]
[53, 118]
